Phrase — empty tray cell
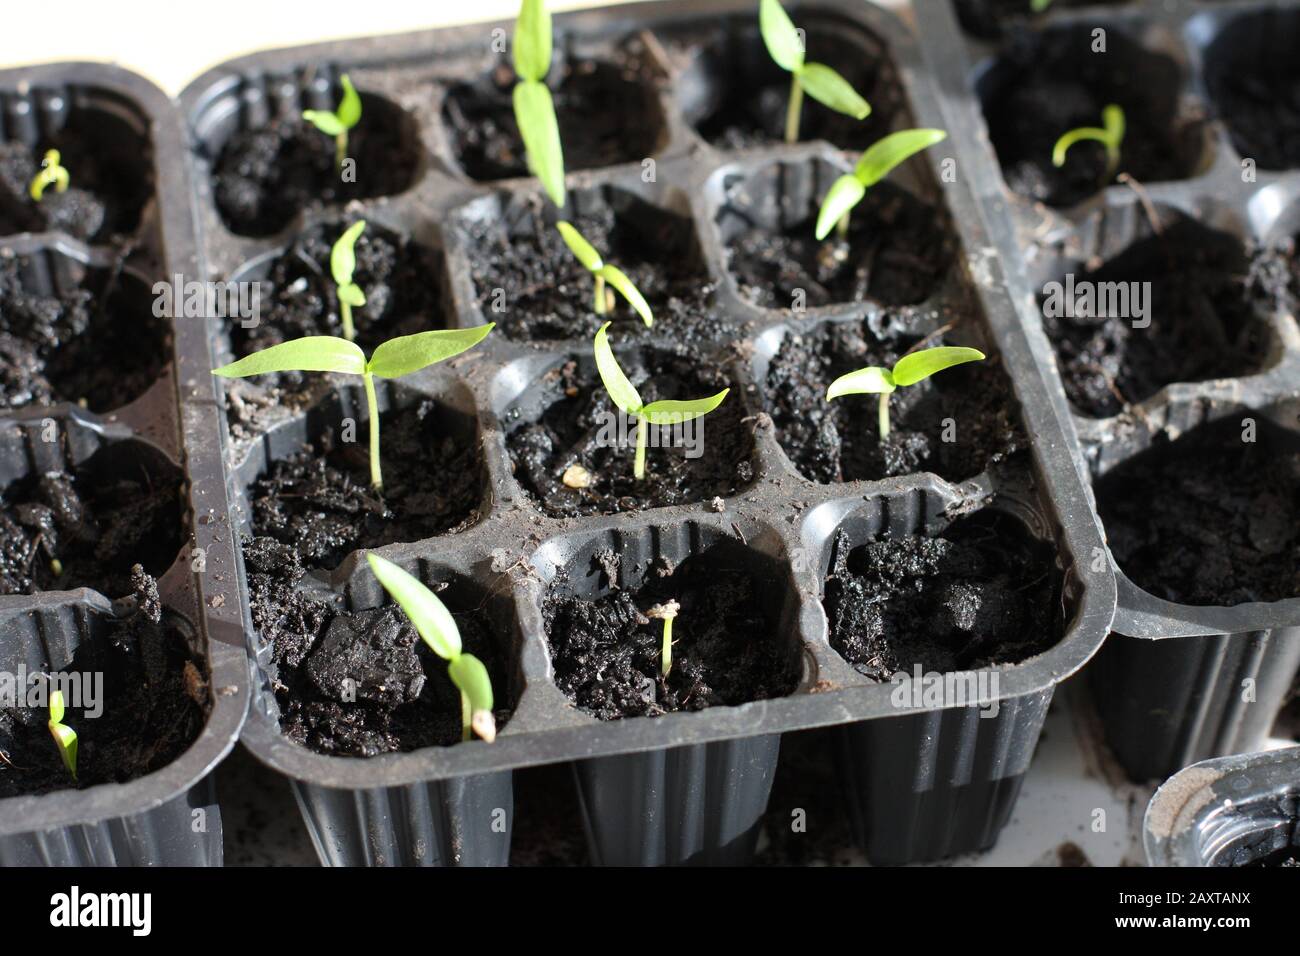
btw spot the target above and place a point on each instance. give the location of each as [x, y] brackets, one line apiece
[900, 245]
[1254, 83]
[735, 95]
[989, 19]
[267, 163]
[103, 142]
[1187, 304]
[573, 451]
[72, 331]
[955, 424]
[310, 488]
[1213, 517]
[607, 106]
[528, 281]
[1056, 81]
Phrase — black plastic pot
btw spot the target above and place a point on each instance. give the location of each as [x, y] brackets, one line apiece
[1176, 683]
[1230, 811]
[684, 787]
[170, 816]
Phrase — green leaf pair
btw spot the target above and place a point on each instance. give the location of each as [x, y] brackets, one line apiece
[874, 165]
[908, 370]
[65, 738]
[437, 628]
[343, 261]
[624, 395]
[785, 45]
[1110, 135]
[392, 359]
[51, 174]
[534, 108]
[586, 254]
[337, 124]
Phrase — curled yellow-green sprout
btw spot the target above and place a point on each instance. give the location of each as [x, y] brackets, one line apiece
[51, 174]
[65, 738]
[1110, 134]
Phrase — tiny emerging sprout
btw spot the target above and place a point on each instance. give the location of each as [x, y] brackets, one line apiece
[1110, 135]
[1039, 6]
[338, 123]
[586, 253]
[437, 628]
[392, 359]
[624, 394]
[64, 736]
[874, 165]
[51, 174]
[665, 612]
[534, 108]
[908, 370]
[343, 260]
[785, 46]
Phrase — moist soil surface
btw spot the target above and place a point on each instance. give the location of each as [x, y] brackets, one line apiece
[154, 697]
[840, 440]
[402, 697]
[1210, 519]
[263, 177]
[1258, 101]
[898, 251]
[607, 112]
[320, 501]
[97, 527]
[97, 344]
[533, 287]
[107, 187]
[580, 426]
[607, 654]
[1207, 304]
[1051, 83]
[984, 593]
[988, 19]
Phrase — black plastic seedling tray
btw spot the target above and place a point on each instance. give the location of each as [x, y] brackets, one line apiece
[1177, 683]
[170, 816]
[685, 787]
[1229, 811]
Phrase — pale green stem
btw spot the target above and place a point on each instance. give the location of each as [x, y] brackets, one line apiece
[668, 646]
[793, 109]
[345, 312]
[842, 227]
[376, 478]
[884, 415]
[466, 713]
[639, 470]
[600, 295]
[340, 149]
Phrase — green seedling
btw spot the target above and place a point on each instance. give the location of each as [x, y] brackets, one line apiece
[1039, 6]
[392, 359]
[908, 370]
[586, 253]
[338, 123]
[1110, 135]
[64, 736]
[51, 174]
[874, 165]
[534, 108]
[667, 613]
[628, 399]
[437, 628]
[785, 46]
[343, 260]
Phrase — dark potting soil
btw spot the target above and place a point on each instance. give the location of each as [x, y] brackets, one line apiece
[988, 19]
[154, 700]
[359, 684]
[983, 593]
[744, 94]
[607, 654]
[320, 501]
[898, 251]
[110, 180]
[1208, 305]
[97, 344]
[1209, 519]
[608, 113]
[1255, 94]
[580, 426]
[1049, 83]
[840, 440]
[98, 525]
[263, 177]
[531, 285]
